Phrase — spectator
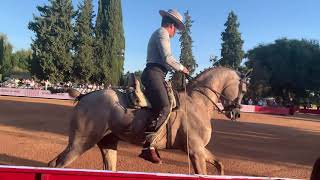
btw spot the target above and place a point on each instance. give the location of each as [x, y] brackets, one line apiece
[291, 106]
[32, 83]
[46, 84]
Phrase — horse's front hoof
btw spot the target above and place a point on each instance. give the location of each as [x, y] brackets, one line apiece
[221, 169]
[52, 163]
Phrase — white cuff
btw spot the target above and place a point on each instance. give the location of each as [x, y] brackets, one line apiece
[181, 67]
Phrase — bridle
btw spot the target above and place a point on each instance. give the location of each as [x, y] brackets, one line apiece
[232, 104]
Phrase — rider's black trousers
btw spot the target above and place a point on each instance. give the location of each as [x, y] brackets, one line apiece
[153, 79]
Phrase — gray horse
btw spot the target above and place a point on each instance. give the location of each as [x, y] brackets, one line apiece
[103, 118]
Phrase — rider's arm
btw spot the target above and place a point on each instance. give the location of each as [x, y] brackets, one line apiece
[165, 51]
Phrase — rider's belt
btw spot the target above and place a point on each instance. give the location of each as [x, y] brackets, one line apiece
[159, 66]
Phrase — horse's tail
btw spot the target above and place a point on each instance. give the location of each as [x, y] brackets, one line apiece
[75, 94]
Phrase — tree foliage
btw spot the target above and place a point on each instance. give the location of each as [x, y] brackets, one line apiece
[84, 43]
[231, 52]
[21, 60]
[186, 55]
[285, 68]
[52, 46]
[110, 42]
[13, 63]
[5, 55]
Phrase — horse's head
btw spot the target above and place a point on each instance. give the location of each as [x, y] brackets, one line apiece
[225, 84]
[232, 95]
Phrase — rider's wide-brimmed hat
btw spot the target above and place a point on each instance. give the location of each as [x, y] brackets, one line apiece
[174, 15]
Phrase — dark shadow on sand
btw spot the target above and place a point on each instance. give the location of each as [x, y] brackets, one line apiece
[264, 143]
[16, 161]
[26, 115]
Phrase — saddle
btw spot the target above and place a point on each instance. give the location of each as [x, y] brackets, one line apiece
[137, 98]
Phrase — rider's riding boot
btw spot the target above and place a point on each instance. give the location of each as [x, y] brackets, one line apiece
[150, 154]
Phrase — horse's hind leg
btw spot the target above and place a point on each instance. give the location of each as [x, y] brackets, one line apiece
[108, 148]
[71, 152]
[210, 158]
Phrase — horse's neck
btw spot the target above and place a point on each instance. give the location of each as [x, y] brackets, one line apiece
[196, 100]
[211, 90]
[210, 87]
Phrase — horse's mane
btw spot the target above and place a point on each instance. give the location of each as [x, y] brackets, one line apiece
[206, 71]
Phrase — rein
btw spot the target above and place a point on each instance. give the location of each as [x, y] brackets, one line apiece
[233, 103]
[215, 92]
[186, 116]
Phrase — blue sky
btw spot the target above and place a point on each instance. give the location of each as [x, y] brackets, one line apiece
[260, 22]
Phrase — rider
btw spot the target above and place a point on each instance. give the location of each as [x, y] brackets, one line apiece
[159, 62]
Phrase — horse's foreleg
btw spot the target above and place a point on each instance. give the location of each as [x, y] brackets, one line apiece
[210, 158]
[109, 157]
[108, 148]
[198, 160]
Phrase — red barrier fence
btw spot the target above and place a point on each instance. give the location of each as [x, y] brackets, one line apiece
[248, 108]
[272, 110]
[35, 173]
[266, 110]
[309, 111]
[276, 110]
[33, 93]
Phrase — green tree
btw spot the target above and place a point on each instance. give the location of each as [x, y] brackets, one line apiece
[285, 68]
[84, 43]
[54, 35]
[186, 55]
[21, 59]
[110, 42]
[5, 56]
[231, 52]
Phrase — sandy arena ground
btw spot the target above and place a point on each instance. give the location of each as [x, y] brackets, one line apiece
[33, 131]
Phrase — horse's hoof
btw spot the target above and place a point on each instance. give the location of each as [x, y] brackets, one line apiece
[52, 163]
